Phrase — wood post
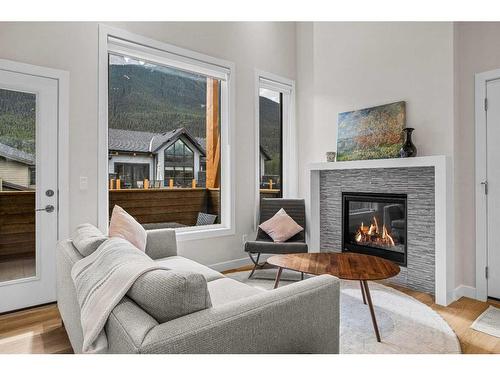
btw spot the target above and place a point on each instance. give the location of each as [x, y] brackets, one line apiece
[213, 134]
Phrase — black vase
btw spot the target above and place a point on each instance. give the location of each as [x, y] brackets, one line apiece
[408, 150]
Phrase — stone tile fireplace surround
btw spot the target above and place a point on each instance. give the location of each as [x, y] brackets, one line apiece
[427, 185]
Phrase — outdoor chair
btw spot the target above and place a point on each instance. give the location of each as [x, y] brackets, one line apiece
[205, 219]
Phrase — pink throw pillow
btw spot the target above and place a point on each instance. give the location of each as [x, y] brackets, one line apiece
[125, 226]
[281, 227]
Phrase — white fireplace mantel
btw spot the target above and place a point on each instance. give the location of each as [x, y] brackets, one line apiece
[443, 184]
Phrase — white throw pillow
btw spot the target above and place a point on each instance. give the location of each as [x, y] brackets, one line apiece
[124, 226]
[281, 227]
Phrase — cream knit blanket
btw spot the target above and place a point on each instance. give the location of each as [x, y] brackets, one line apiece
[101, 280]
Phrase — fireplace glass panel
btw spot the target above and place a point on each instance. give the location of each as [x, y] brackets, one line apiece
[375, 224]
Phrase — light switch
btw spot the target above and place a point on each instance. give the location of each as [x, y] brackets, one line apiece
[84, 183]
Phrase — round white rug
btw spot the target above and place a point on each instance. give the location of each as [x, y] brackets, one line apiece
[406, 325]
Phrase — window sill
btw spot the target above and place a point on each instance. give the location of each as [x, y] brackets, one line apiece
[200, 233]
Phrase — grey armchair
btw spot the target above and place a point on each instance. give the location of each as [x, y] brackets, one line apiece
[264, 244]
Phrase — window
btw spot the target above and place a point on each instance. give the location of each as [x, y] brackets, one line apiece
[32, 171]
[17, 140]
[271, 143]
[179, 165]
[168, 135]
[276, 153]
[131, 175]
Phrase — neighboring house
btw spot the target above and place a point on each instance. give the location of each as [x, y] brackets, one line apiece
[17, 169]
[135, 156]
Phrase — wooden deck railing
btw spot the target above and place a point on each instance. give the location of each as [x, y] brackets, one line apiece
[17, 215]
[270, 193]
[17, 224]
[179, 205]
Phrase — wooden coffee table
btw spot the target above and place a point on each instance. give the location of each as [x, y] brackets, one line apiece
[347, 266]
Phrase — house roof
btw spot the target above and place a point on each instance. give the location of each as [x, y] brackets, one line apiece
[170, 137]
[136, 141]
[129, 140]
[203, 143]
[11, 186]
[20, 156]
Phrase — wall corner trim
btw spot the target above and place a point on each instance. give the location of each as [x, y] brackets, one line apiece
[464, 291]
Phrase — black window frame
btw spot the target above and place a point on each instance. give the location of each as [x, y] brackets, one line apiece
[179, 164]
[133, 183]
[32, 175]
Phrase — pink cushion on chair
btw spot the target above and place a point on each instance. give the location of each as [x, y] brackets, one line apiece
[281, 227]
[125, 226]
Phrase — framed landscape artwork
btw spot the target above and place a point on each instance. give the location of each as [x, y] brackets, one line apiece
[371, 133]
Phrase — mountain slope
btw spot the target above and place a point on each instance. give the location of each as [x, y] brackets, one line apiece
[142, 99]
[149, 100]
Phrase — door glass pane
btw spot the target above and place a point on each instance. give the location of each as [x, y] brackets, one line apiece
[271, 136]
[17, 185]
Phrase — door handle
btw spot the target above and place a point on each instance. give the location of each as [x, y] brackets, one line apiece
[485, 184]
[48, 208]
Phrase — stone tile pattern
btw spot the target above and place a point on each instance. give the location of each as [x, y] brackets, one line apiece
[417, 183]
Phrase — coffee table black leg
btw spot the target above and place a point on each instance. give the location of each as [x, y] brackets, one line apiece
[278, 276]
[372, 311]
[362, 291]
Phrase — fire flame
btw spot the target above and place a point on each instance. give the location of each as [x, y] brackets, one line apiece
[387, 237]
[372, 234]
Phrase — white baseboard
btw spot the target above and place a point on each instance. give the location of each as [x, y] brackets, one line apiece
[236, 263]
[464, 291]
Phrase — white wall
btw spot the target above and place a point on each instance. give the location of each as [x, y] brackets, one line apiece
[343, 66]
[429, 65]
[338, 67]
[359, 65]
[73, 47]
[476, 51]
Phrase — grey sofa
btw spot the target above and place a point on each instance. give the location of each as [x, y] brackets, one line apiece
[298, 318]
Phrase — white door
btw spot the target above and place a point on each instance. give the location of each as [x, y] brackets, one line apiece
[28, 189]
[493, 186]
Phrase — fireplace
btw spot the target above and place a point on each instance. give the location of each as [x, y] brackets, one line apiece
[375, 224]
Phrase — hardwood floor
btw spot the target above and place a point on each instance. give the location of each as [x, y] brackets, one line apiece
[39, 330]
[460, 315]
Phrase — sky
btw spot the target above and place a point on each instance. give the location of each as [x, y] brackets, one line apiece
[270, 94]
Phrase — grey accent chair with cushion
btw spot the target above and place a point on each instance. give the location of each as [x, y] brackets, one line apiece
[264, 244]
[170, 311]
